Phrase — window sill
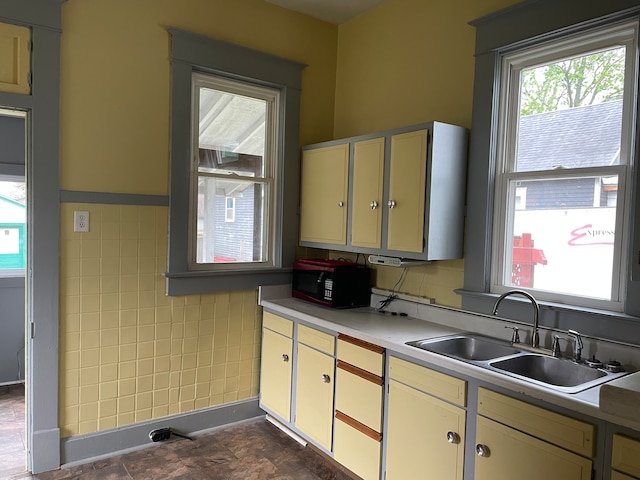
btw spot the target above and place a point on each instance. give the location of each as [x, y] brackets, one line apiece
[545, 305]
[198, 282]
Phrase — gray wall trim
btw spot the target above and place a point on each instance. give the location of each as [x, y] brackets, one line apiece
[11, 282]
[217, 55]
[42, 13]
[12, 169]
[43, 247]
[74, 196]
[530, 22]
[191, 52]
[197, 283]
[85, 448]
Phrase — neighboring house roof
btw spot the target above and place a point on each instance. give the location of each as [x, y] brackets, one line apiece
[587, 136]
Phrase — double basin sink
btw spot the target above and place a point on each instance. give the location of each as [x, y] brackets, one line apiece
[506, 358]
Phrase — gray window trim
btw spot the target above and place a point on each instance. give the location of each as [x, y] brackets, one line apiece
[525, 24]
[191, 52]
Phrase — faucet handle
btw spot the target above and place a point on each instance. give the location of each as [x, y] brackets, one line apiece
[555, 348]
[515, 338]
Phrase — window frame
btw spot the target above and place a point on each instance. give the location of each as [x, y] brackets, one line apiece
[269, 177]
[192, 53]
[517, 27]
[512, 64]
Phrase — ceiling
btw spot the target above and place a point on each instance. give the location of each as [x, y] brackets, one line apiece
[332, 11]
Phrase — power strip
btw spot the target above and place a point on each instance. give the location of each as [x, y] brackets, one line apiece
[395, 261]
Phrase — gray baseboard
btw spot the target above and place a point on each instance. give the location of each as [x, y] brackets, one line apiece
[94, 446]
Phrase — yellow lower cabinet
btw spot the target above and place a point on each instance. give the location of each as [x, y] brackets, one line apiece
[503, 453]
[314, 395]
[626, 456]
[275, 374]
[621, 476]
[425, 436]
[356, 449]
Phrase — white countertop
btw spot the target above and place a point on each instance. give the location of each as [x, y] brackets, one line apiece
[392, 331]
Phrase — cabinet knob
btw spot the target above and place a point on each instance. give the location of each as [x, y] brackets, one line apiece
[341, 204]
[373, 205]
[482, 450]
[453, 437]
[285, 357]
[391, 203]
[325, 378]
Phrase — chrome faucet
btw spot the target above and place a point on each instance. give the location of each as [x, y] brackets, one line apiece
[577, 345]
[535, 336]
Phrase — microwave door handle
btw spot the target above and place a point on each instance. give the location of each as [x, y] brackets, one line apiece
[321, 277]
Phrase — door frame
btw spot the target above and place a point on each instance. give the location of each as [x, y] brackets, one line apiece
[44, 17]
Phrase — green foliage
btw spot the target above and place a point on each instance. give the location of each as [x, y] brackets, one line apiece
[574, 82]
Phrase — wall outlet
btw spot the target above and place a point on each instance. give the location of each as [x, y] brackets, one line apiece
[80, 221]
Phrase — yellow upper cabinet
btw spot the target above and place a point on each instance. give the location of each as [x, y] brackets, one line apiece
[324, 195]
[407, 179]
[368, 177]
[15, 59]
[405, 198]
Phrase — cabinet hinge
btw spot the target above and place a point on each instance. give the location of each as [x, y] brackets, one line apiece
[30, 78]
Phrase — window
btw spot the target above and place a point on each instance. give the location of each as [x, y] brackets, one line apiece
[235, 163]
[234, 166]
[230, 209]
[13, 225]
[527, 28]
[563, 158]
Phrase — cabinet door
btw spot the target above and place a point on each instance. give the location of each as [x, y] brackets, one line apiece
[512, 454]
[419, 445]
[324, 191]
[14, 58]
[620, 476]
[366, 202]
[407, 183]
[275, 373]
[314, 395]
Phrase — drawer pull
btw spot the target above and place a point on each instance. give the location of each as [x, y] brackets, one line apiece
[453, 437]
[373, 205]
[325, 378]
[285, 357]
[482, 450]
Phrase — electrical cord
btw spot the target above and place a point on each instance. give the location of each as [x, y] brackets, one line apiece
[384, 303]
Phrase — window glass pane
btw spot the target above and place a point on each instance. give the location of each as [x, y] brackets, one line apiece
[562, 236]
[571, 113]
[13, 219]
[231, 221]
[231, 133]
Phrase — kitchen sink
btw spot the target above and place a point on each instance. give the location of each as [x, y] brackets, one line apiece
[507, 359]
[552, 371]
[467, 347]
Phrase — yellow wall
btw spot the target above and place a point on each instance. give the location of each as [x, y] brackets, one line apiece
[403, 63]
[115, 76]
[129, 353]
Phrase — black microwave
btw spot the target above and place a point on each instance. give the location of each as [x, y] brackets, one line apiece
[333, 283]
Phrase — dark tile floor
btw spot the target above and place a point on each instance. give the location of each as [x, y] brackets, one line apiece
[253, 450]
[12, 428]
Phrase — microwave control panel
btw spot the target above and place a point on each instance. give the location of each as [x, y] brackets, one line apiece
[328, 289]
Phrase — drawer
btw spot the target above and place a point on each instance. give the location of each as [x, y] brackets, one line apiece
[278, 324]
[359, 398]
[626, 455]
[364, 355]
[356, 450]
[566, 432]
[429, 381]
[316, 339]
